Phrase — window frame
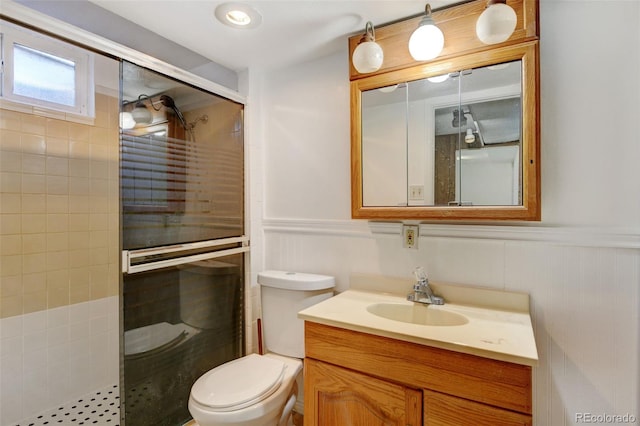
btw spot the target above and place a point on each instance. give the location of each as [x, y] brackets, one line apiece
[84, 104]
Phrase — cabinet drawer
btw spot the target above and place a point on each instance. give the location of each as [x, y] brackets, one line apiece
[446, 410]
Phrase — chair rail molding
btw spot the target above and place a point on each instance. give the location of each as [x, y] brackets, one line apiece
[564, 235]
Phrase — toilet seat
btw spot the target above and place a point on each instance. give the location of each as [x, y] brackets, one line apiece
[239, 383]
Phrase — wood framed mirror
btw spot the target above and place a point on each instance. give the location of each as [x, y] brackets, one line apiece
[456, 138]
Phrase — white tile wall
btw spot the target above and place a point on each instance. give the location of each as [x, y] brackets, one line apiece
[584, 290]
[53, 356]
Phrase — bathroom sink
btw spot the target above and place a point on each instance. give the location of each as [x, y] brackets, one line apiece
[417, 314]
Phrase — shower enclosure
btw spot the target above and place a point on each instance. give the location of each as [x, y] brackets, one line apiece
[182, 203]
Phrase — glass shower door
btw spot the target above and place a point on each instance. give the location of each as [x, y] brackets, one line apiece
[179, 322]
[182, 202]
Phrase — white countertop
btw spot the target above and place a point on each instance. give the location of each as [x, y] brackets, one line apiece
[505, 335]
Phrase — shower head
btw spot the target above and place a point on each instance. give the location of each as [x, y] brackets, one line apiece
[168, 102]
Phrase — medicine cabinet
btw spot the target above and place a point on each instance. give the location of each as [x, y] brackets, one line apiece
[454, 138]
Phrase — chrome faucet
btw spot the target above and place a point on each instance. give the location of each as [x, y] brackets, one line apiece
[422, 292]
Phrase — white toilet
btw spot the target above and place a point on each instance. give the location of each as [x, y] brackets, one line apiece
[262, 390]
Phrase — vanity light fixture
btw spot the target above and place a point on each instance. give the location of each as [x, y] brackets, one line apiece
[427, 40]
[368, 55]
[496, 23]
[238, 15]
[140, 113]
[126, 121]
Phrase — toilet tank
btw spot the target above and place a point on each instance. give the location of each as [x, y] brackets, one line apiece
[283, 295]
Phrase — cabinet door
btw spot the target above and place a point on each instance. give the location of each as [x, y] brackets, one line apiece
[446, 410]
[336, 396]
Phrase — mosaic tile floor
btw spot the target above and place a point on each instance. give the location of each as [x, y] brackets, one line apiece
[101, 408]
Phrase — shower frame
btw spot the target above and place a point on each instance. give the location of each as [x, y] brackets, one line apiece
[182, 211]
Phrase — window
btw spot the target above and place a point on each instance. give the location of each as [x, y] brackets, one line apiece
[45, 72]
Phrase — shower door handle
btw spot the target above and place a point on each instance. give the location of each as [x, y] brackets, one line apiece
[142, 260]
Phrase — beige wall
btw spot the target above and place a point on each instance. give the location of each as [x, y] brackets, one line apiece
[59, 213]
[218, 188]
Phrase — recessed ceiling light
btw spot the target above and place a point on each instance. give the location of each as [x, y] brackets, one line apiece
[238, 15]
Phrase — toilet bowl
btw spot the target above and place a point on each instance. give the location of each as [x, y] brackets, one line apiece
[262, 390]
[255, 390]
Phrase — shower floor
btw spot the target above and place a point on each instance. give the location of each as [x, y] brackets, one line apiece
[100, 408]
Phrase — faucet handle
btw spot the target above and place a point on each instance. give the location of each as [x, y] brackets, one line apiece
[437, 300]
[420, 274]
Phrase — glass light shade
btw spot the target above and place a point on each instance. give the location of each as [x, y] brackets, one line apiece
[438, 78]
[126, 121]
[426, 42]
[388, 89]
[141, 114]
[367, 57]
[496, 23]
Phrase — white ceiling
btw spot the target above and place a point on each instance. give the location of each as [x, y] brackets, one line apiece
[291, 31]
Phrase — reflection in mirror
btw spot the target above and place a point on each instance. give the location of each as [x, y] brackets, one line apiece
[454, 139]
[490, 101]
[384, 153]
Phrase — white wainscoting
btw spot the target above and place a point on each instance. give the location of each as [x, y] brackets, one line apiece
[583, 283]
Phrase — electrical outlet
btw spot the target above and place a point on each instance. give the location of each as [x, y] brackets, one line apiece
[410, 236]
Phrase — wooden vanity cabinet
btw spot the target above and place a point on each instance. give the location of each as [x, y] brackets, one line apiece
[354, 378]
